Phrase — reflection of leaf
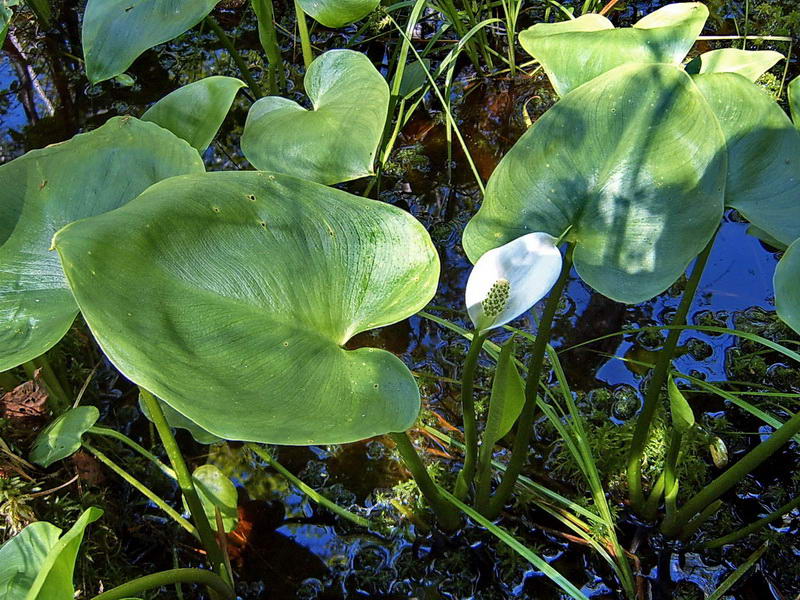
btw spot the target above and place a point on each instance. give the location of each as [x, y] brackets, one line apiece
[633, 162]
[334, 142]
[751, 64]
[44, 190]
[338, 13]
[63, 436]
[250, 284]
[216, 491]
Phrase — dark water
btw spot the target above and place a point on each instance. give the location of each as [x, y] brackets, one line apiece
[286, 547]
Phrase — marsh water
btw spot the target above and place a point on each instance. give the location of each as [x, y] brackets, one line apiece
[285, 546]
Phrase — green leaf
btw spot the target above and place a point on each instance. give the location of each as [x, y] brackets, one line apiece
[763, 180]
[37, 565]
[414, 77]
[574, 52]
[6, 15]
[506, 401]
[177, 420]
[195, 111]
[338, 13]
[116, 32]
[750, 64]
[681, 411]
[46, 189]
[248, 286]
[787, 289]
[63, 436]
[632, 161]
[794, 100]
[216, 491]
[762, 235]
[334, 142]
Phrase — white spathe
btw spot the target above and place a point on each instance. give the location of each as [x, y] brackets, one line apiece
[522, 271]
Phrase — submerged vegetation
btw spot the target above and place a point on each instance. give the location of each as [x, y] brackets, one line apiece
[276, 333]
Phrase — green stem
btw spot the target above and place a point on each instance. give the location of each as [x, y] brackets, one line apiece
[143, 489]
[58, 399]
[269, 41]
[652, 394]
[522, 438]
[670, 475]
[651, 506]
[164, 578]
[448, 517]
[305, 40]
[306, 489]
[753, 527]
[237, 58]
[734, 474]
[186, 483]
[693, 525]
[105, 431]
[467, 473]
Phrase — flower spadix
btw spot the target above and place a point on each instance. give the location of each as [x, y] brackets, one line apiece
[508, 280]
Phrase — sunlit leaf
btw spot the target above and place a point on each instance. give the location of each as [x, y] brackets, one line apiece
[44, 190]
[179, 421]
[681, 411]
[248, 285]
[334, 142]
[633, 161]
[787, 287]
[763, 180]
[62, 437]
[338, 13]
[195, 111]
[216, 491]
[116, 32]
[576, 51]
[751, 64]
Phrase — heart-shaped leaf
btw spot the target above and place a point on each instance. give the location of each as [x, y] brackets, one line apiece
[763, 147]
[787, 287]
[38, 565]
[44, 190]
[195, 111]
[794, 100]
[338, 13]
[116, 32]
[249, 284]
[751, 64]
[216, 491]
[334, 142]
[576, 51]
[62, 437]
[633, 161]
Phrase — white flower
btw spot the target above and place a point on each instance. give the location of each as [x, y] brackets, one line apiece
[508, 280]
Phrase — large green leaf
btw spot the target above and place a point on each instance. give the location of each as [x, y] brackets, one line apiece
[116, 32]
[574, 52]
[338, 13]
[44, 190]
[787, 287]
[248, 285]
[63, 436]
[195, 111]
[216, 491]
[763, 180]
[751, 64]
[37, 565]
[334, 142]
[634, 161]
[794, 100]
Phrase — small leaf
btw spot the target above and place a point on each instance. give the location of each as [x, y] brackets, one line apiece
[177, 420]
[506, 401]
[576, 51]
[116, 32]
[682, 414]
[750, 64]
[414, 77]
[217, 491]
[334, 142]
[62, 437]
[338, 13]
[787, 287]
[196, 111]
[794, 100]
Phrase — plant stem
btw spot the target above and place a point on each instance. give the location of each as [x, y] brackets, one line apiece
[58, 399]
[447, 516]
[143, 489]
[105, 431]
[164, 578]
[276, 78]
[305, 40]
[522, 438]
[693, 525]
[734, 474]
[651, 506]
[237, 58]
[755, 526]
[186, 483]
[670, 477]
[659, 377]
[467, 473]
[306, 489]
